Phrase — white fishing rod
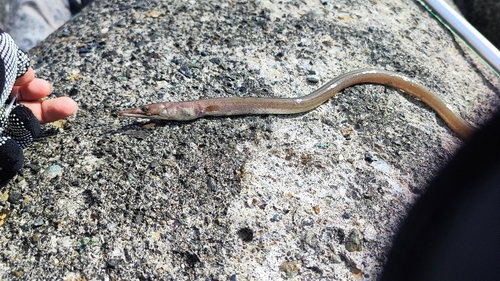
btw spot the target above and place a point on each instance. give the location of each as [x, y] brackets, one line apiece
[464, 30]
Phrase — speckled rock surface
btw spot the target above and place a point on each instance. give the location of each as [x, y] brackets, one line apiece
[303, 197]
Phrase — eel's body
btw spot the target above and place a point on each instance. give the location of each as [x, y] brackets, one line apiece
[189, 110]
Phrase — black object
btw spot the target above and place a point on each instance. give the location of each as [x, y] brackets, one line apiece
[453, 230]
[76, 6]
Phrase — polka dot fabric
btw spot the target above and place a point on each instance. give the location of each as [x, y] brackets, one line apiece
[22, 126]
[18, 125]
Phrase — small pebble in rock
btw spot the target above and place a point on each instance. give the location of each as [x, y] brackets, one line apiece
[313, 78]
[368, 157]
[84, 50]
[382, 166]
[232, 278]
[290, 268]
[27, 208]
[211, 184]
[141, 4]
[15, 197]
[316, 270]
[353, 241]
[38, 223]
[308, 238]
[65, 33]
[184, 70]
[322, 145]
[34, 168]
[307, 222]
[138, 218]
[120, 23]
[112, 263]
[276, 218]
[178, 61]
[204, 54]
[54, 171]
[139, 44]
[215, 60]
[18, 273]
[36, 237]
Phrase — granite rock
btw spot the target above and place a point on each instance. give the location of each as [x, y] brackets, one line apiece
[136, 199]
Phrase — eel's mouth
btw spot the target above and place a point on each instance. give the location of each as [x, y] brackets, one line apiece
[134, 112]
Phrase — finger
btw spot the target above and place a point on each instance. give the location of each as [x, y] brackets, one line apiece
[26, 78]
[37, 89]
[51, 110]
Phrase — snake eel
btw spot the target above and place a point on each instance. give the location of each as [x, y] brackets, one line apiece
[189, 110]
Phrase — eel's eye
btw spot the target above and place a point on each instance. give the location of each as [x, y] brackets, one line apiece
[145, 109]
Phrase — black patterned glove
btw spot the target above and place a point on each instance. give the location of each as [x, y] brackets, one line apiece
[18, 125]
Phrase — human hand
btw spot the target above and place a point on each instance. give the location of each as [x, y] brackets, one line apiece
[31, 91]
[20, 122]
